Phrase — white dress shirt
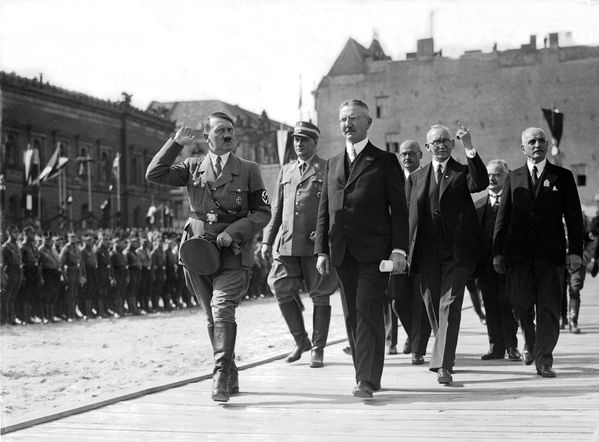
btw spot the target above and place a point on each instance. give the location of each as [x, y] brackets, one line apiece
[223, 159]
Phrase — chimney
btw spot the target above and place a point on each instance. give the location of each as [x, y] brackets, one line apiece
[425, 47]
[533, 42]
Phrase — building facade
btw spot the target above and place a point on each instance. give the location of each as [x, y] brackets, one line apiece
[89, 132]
[497, 95]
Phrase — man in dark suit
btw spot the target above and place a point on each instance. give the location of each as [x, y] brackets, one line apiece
[292, 230]
[444, 237]
[530, 245]
[362, 219]
[408, 303]
[501, 323]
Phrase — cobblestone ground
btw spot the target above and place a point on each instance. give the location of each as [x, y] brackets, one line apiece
[60, 365]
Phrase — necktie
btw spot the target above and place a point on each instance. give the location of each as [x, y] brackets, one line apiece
[352, 154]
[439, 173]
[496, 203]
[302, 168]
[217, 166]
[535, 175]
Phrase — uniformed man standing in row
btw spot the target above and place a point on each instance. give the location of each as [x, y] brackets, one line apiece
[159, 271]
[105, 276]
[51, 273]
[144, 293]
[89, 260]
[12, 263]
[229, 205]
[121, 278]
[32, 276]
[134, 268]
[293, 223]
[74, 274]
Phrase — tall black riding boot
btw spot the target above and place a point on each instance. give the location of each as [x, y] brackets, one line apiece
[295, 321]
[233, 379]
[225, 334]
[573, 316]
[321, 320]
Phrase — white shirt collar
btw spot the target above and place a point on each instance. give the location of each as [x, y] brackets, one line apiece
[494, 194]
[308, 161]
[223, 158]
[358, 147]
[436, 165]
[540, 166]
[407, 173]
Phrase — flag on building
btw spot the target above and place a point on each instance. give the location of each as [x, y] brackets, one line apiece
[55, 164]
[31, 162]
[555, 120]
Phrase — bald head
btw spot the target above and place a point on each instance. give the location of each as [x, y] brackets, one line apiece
[534, 144]
[410, 155]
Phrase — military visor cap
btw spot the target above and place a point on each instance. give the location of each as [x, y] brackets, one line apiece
[306, 129]
[200, 256]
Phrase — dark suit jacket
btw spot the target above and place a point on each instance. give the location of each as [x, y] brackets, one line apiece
[529, 226]
[365, 213]
[484, 210]
[458, 216]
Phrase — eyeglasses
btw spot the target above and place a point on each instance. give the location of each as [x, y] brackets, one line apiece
[407, 154]
[441, 142]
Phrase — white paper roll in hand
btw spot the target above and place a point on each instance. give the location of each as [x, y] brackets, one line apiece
[387, 266]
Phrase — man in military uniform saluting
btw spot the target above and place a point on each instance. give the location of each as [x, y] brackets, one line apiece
[293, 223]
[228, 207]
[89, 260]
[158, 270]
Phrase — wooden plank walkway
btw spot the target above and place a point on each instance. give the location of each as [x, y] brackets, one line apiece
[489, 400]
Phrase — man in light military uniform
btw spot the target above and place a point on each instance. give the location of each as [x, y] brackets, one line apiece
[295, 208]
[74, 274]
[228, 207]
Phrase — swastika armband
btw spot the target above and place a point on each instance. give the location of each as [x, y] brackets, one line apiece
[258, 198]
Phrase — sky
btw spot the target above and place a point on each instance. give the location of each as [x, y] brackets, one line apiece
[258, 54]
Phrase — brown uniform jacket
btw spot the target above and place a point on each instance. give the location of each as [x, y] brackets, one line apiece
[237, 197]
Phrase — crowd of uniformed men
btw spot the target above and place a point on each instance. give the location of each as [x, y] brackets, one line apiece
[97, 275]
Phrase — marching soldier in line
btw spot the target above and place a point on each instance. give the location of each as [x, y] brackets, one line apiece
[32, 277]
[51, 273]
[74, 274]
[147, 276]
[134, 268]
[121, 277]
[105, 278]
[159, 271]
[229, 205]
[12, 263]
[295, 208]
[90, 290]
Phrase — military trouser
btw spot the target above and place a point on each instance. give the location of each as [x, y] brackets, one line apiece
[50, 292]
[9, 295]
[71, 291]
[145, 288]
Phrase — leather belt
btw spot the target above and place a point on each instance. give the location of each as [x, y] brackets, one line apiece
[222, 218]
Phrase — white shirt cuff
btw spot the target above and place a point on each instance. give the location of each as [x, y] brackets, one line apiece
[400, 252]
[471, 153]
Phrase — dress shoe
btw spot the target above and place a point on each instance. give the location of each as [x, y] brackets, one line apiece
[529, 358]
[392, 350]
[347, 350]
[546, 371]
[443, 376]
[417, 359]
[363, 390]
[407, 347]
[493, 354]
[513, 354]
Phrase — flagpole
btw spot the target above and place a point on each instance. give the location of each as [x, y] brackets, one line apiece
[59, 199]
[89, 193]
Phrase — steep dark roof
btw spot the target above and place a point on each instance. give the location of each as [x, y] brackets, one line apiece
[352, 59]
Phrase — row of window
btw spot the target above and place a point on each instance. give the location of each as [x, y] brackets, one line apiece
[102, 165]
